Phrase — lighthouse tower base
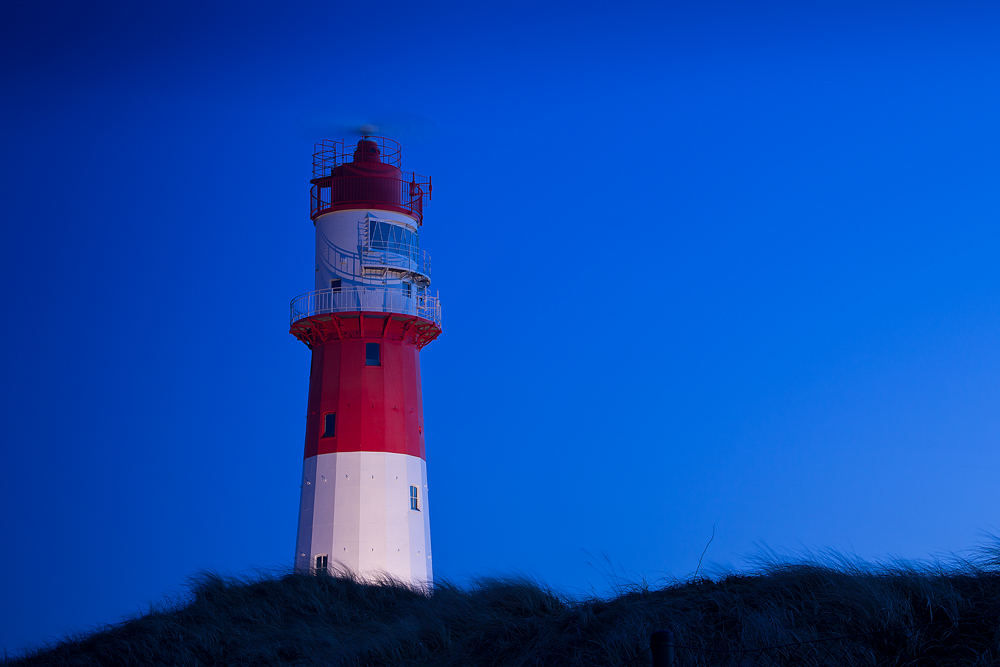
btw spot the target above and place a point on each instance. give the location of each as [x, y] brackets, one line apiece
[364, 483]
[365, 512]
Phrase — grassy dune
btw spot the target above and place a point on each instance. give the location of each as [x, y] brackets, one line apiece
[305, 620]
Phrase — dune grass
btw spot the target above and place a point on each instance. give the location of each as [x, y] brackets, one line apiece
[339, 621]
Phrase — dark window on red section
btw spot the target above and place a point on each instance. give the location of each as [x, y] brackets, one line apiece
[329, 424]
[372, 357]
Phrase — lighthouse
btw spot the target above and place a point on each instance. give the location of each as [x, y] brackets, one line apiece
[364, 503]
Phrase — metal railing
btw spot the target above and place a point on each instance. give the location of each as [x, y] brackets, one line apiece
[347, 262]
[418, 261]
[369, 192]
[330, 154]
[366, 299]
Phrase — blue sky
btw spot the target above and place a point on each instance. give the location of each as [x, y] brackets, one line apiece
[702, 264]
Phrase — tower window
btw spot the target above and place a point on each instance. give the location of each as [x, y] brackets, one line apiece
[321, 564]
[335, 284]
[329, 424]
[414, 499]
[372, 356]
[406, 289]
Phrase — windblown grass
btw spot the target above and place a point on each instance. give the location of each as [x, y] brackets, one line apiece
[339, 621]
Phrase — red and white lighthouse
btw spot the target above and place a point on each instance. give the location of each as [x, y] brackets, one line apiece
[364, 482]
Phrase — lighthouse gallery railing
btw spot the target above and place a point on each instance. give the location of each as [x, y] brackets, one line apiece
[348, 262]
[368, 192]
[366, 299]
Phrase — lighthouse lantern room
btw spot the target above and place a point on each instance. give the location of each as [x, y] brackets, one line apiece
[364, 504]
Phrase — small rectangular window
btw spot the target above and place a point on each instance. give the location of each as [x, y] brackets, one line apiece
[372, 357]
[406, 289]
[329, 424]
[335, 284]
[321, 564]
[414, 500]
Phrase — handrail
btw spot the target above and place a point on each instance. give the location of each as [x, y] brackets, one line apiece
[348, 262]
[367, 192]
[397, 260]
[330, 154]
[366, 299]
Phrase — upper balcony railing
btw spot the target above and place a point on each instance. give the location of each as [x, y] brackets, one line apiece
[366, 299]
[417, 261]
[349, 263]
[369, 192]
[330, 154]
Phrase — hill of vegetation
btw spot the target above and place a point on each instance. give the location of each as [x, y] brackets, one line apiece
[898, 614]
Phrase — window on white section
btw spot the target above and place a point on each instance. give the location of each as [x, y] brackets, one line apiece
[335, 284]
[329, 424]
[414, 499]
[383, 235]
[321, 562]
[372, 356]
[406, 289]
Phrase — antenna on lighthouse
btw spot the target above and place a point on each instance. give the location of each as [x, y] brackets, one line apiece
[402, 127]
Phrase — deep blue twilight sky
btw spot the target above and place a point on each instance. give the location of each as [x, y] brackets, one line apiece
[702, 263]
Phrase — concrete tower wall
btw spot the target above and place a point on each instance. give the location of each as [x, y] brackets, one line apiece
[357, 509]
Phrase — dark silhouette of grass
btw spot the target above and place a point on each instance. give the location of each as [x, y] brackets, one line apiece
[339, 621]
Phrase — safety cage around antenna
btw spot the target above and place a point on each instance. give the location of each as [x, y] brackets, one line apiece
[330, 154]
